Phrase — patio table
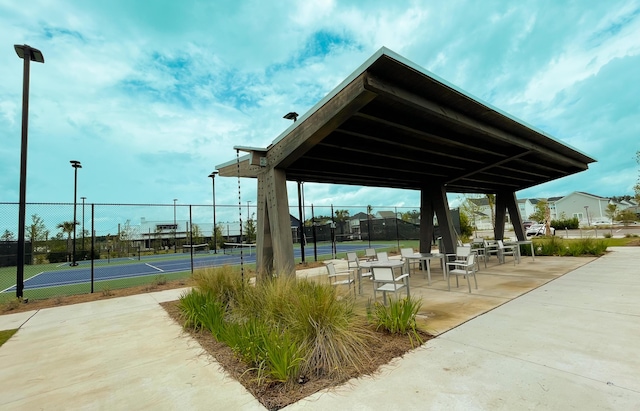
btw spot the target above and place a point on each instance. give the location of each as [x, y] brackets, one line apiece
[426, 258]
[525, 242]
[375, 263]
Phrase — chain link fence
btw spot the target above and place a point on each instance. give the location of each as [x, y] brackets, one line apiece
[123, 245]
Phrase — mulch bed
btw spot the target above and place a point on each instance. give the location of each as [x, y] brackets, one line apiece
[277, 395]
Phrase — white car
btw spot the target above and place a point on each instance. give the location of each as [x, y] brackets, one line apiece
[538, 229]
[601, 223]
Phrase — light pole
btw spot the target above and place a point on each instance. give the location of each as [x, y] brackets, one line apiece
[28, 54]
[83, 198]
[175, 226]
[586, 210]
[215, 232]
[248, 217]
[76, 165]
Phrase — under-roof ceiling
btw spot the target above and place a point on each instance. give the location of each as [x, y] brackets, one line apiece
[392, 124]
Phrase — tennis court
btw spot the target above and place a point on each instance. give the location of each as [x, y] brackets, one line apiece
[173, 263]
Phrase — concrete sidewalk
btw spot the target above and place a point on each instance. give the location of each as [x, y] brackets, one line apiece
[570, 344]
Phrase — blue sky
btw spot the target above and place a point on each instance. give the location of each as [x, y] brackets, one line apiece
[151, 95]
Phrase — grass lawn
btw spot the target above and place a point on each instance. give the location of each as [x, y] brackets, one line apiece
[5, 335]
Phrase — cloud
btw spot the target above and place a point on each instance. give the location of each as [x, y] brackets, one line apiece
[150, 97]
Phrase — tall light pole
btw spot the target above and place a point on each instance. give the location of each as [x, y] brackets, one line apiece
[586, 210]
[83, 198]
[28, 54]
[76, 165]
[248, 201]
[215, 232]
[175, 226]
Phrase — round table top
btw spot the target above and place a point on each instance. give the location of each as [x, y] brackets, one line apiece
[376, 263]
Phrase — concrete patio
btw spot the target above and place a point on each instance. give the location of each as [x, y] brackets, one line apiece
[570, 343]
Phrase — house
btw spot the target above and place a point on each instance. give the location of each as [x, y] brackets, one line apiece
[527, 207]
[482, 213]
[583, 206]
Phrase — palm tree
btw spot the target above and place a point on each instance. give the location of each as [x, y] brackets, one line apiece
[67, 228]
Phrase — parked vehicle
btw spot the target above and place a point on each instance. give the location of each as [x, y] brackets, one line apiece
[538, 229]
[527, 224]
[601, 223]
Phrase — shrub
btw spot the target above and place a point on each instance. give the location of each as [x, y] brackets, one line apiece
[223, 283]
[399, 317]
[282, 327]
[569, 223]
[331, 335]
[560, 247]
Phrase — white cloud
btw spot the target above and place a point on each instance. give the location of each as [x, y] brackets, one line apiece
[151, 98]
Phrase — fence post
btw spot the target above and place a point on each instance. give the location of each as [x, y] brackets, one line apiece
[93, 242]
[191, 238]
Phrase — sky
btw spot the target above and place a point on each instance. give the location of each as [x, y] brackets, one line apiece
[150, 96]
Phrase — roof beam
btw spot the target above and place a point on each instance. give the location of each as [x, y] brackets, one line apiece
[320, 124]
[388, 90]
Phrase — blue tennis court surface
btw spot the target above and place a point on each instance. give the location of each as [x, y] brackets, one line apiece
[173, 264]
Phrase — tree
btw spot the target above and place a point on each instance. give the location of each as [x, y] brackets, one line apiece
[611, 212]
[341, 218]
[627, 216]
[466, 230]
[196, 233]
[158, 237]
[412, 216]
[491, 198]
[540, 213]
[37, 229]
[471, 209]
[218, 236]
[67, 228]
[7, 236]
[250, 230]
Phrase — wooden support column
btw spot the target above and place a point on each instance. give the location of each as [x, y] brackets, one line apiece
[434, 200]
[506, 201]
[514, 213]
[264, 251]
[426, 222]
[501, 210]
[279, 233]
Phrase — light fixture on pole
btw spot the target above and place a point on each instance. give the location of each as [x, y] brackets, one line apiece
[83, 198]
[28, 54]
[76, 165]
[215, 232]
[292, 115]
[175, 226]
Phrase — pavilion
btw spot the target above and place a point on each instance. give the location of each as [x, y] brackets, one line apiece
[393, 124]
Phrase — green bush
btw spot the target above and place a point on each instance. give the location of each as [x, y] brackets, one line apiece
[281, 327]
[555, 246]
[568, 223]
[399, 317]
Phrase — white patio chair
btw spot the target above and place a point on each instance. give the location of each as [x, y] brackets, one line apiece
[461, 255]
[462, 268]
[504, 250]
[478, 248]
[370, 254]
[405, 253]
[337, 278]
[382, 256]
[384, 280]
[491, 248]
[353, 263]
